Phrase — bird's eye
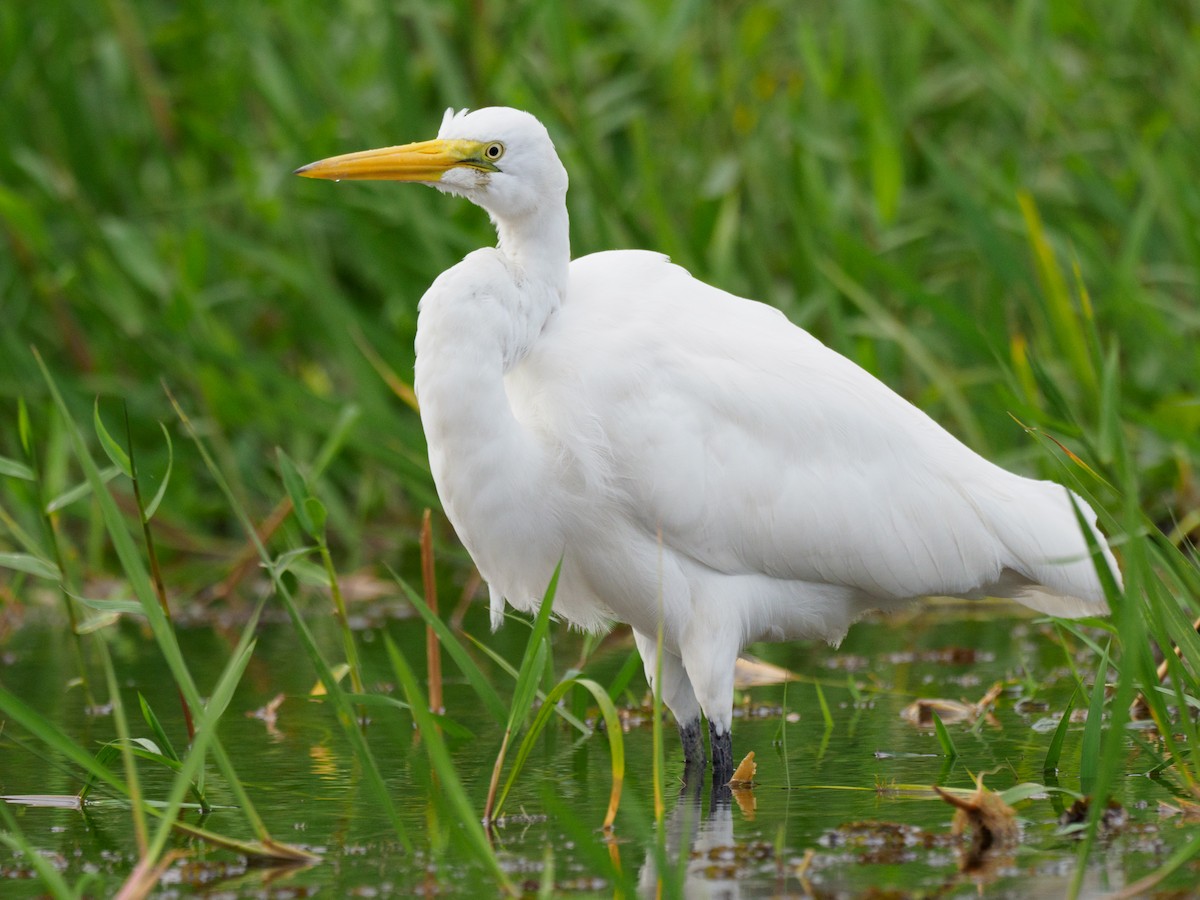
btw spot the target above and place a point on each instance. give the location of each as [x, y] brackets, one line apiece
[493, 152]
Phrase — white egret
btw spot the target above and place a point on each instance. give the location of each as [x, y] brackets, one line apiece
[691, 456]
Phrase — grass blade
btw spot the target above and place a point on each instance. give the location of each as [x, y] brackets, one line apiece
[943, 737]
[454, 647]
[334, 691]
[124, 743]
[537, 652]
[612, 723]
[1093, 729]
[113, 450]
[29, 564]
[1054, 751]
[826, 714]
[152, 506]
[439, 757]
[13, 469]
[297, 490]
[160, 734]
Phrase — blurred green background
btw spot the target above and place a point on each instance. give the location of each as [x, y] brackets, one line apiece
[979, 202]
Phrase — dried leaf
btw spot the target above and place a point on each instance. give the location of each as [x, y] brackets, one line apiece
[749, 672]
[1187, 809]
[269, 714]
[743, 776]
[746, 801]
[991, 822]
[920, 712]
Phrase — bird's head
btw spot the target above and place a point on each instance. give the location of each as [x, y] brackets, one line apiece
[498, 158]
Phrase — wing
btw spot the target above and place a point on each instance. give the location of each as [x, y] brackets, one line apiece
[756, 449]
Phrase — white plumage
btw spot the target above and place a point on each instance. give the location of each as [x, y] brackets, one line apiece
[688, 454]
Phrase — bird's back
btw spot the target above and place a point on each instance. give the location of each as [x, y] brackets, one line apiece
[758, 452]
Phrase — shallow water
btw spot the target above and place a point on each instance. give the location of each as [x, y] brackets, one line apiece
[836, 811]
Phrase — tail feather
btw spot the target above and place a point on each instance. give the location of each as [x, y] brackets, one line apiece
[1051, 568]
[496, 605]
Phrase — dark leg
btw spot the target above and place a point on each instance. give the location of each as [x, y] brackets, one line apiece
[694, 760]
[722, 756]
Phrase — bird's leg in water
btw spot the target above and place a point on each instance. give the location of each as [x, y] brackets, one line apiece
[694, 759]
[722, 755]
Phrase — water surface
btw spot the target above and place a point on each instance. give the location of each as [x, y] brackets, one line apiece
[837, 811]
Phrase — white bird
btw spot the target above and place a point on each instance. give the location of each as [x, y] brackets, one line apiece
[693, 458]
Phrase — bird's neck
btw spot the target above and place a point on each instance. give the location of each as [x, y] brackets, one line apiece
[490, 470]
[474, 327]
[539, 246]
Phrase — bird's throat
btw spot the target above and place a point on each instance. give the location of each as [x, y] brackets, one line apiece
[539, 246]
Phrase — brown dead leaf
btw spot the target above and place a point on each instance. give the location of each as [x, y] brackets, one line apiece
[920, 712]
[1189, 811]
[746, 801]
[991, 822]
[269, 716]
[749, 672]
[741, 785]
[743, 776]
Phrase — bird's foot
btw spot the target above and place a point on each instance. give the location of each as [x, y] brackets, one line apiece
[722, 756]
[694, 760]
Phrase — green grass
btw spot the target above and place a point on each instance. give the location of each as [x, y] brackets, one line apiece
[868, 168]
[993, 207]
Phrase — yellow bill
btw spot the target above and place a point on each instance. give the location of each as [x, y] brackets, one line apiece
[423, 161]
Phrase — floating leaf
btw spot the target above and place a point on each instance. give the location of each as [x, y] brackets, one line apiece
[1187, 810]
[991, 821]
[922, 712]
[743, 775]
[749, 672]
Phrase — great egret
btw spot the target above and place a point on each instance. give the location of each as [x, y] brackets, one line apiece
[692, 457]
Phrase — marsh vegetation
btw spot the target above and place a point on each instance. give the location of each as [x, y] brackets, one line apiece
[993, 210]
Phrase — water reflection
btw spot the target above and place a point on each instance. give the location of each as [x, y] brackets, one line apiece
[701, 855]
[823, 790]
